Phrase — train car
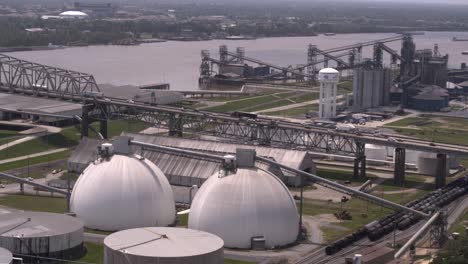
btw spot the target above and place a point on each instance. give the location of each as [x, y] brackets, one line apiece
[244, 114]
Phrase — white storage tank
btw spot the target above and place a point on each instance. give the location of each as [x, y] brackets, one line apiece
[118, 192]
[42, 234]
[5, 256]
[163, 245]
[376, 152]
[250, 208]
[427, 164]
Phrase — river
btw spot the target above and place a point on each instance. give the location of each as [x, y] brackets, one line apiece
[178, 63]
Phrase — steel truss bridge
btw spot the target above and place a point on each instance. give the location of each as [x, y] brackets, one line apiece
[41, 78]
[21, 77]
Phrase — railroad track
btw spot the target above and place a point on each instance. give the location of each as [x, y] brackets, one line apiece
[319, 256]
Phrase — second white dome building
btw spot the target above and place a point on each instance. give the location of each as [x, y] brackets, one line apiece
[249, 203]
[122, 192]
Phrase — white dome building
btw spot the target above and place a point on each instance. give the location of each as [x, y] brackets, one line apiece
[73, 15]
[251, 203]
[122, 192]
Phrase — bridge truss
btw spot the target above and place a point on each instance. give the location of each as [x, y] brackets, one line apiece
[41, 78]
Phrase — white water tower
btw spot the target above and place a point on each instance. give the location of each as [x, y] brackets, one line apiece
[328, 79]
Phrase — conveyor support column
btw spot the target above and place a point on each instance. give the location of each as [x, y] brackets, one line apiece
[360, 161]
[399, 172]
[175, 125]
[85, 120]
[103, 122]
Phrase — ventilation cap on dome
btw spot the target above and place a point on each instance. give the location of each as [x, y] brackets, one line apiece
[106, 150]
[245, 157]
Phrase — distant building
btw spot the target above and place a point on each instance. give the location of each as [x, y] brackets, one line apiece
[428, 98]
[73, 15]
[371, 88]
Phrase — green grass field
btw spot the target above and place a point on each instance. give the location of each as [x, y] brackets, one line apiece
[7, 136]
[296, 111]
[36, 160]
[94, 253]
[235, 105]
[67, 138]
[35, 203]
[451, 130]
[362, 212]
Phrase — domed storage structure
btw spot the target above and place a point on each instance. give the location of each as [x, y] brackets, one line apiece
[73, 15]
[376, 152]
[246, 207]
[42, 234]
[5, 256]
[163, 245]
[122, 191]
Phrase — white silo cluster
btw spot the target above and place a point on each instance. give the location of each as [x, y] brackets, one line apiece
[42, 234]
[328, 79]
[119, 191]
[247, 208]
[163, 245]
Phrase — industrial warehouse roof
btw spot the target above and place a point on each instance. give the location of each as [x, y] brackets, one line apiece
[86, 151]
[431, 92]
[17, 102]
[141, 95]
[296, 159]
[185, 170]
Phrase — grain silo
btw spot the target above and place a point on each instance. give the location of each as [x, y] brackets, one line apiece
[247, 207]
[5, 256]
[42, 234]
[163, 245]
[118, 192]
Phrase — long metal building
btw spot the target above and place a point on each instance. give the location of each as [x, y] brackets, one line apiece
[187, 171]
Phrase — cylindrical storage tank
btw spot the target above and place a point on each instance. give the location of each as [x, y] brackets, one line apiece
[427, 164]
[42, 234]
[163, 245]
[120, 192]
[411, 156]
[452, 162]
[376, 152]
[5, 256]
[245, 207]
